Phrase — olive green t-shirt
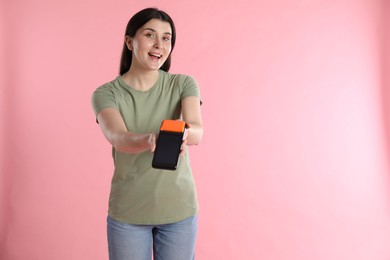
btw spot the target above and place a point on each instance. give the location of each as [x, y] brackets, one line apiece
[139, 193]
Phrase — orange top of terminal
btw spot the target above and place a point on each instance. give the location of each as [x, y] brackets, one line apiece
[173, 126]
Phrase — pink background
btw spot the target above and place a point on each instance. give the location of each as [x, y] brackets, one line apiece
[295, 160]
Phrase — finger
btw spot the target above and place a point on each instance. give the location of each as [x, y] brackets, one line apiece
[183, 147]
[185, 135]
[153, 140]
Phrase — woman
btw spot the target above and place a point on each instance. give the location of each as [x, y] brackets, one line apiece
[150, 210]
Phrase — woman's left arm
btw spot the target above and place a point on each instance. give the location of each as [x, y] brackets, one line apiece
[193, 117]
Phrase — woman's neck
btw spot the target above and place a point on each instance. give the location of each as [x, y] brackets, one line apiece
[140, 79]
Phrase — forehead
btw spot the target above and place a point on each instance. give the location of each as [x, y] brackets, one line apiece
[158, 26]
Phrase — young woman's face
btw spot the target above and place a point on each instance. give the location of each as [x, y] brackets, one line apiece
[151, 44]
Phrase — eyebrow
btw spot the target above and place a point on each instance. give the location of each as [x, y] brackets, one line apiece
[153, 30]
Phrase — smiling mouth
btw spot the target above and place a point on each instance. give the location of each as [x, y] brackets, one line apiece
[158, 56]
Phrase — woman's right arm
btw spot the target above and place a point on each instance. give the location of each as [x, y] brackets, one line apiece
[114, 129]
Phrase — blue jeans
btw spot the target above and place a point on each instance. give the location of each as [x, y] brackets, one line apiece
[175, 241]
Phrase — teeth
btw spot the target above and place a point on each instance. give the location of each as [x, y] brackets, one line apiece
[155, 55]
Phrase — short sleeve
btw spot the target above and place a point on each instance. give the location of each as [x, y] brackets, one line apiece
[190, 88]
[103, 97]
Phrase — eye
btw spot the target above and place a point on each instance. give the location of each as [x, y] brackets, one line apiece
[149, 35]
[166, 38]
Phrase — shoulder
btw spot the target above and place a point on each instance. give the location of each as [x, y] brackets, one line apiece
[105, 96]
[178, 79]
[182, 84]
[111, 86]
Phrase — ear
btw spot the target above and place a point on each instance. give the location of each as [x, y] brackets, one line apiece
[129, 42]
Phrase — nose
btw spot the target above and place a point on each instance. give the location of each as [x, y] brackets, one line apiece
[158, 43]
